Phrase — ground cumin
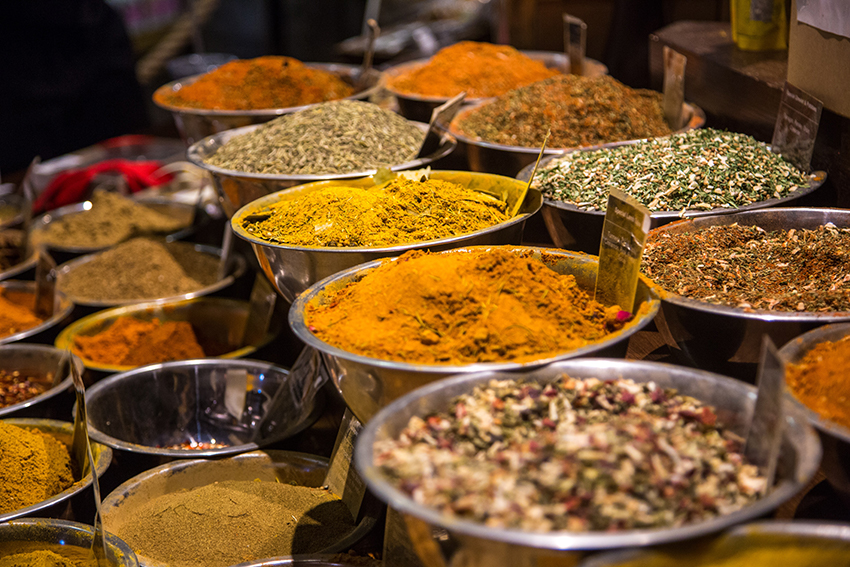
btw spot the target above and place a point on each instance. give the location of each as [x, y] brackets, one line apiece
[33, 467]
[17, 312]
[819, 380]
[461, 307]
[129, 341]
[57, 556]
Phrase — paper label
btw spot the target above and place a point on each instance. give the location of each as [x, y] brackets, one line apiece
[796, 126]
[575, 39]
[764, 437]
[674, 87]
[442, 117]
[45, 284]
[342, 478]
[260, 310]
[623, 236]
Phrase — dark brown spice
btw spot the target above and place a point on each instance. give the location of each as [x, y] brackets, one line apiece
[17, 386]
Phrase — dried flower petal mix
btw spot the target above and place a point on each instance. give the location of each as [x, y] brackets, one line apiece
[575, 455]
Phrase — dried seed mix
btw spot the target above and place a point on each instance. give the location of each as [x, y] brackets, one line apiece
[751, 268]
[17, 386]
[577, 455]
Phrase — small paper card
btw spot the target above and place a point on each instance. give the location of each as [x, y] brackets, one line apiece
[797, 126]
[575, 39]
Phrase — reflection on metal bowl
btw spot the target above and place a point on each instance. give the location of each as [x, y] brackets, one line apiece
[733, 401]
[368, 384]
[62, 532]
[37, 361]
[46, 331]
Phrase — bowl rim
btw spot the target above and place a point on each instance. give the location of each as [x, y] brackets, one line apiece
[63, 309]
[20, 267]
[565, 540]
[62, 386]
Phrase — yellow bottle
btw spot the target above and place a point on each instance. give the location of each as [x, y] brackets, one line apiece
[752, 35]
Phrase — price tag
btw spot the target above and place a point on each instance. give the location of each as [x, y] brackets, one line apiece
[575, 39]
[261, 310]
[796, 126]
[342, 478]
[443, 114]
[674, 87]
[764, 437]
[45, 284]
[623, 236]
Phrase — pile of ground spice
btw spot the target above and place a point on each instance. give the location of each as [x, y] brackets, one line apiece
[17, 312]
[33, 467]
[580, 111]
[399, 212]
[479, 69]
[461, 307]
[819, 380]
[48, 558]
[129, 341]
[230, 522]
[254, 84]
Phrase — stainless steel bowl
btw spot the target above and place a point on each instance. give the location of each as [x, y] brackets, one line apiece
[509, 160]
[417, 107]
[270, 466]
[368, 384]
[235, 270]
[293, 269]
[63, 431]
[835, 438]
[728, 339]
[733, 400]
[48, 329]
[146, 410]
[36, 361]
[574, 228]
[236, 189]
[197, 123]
[63, 533]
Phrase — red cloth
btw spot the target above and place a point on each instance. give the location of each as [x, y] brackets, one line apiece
[70, 186]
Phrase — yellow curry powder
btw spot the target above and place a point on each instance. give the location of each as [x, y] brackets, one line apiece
[819, 380]
[462, 307]
[398, 212]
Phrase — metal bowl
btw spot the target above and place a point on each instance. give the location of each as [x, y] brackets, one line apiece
[48, 329]
[36, 361]
[734, 402]
[197, 123]
[728, 339]
[236, 269]
[63, 431]
[574, 228]
[509, 160]
[62, 532]
[368, 384]
[418, 107]
[282, 466]
[15, 204]
[293, 269]
[21, 267]
[236, 188]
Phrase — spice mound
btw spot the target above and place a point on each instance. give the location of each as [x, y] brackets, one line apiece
[17, 386]
[335, 137]
[57, 556]
[230, 522]
[129, 341]
[819, 380]
[33, 467]
[751, 268]
[479, 69]
[254, 84]
[139, 269]
[17, 312]
[111, 219]
[397, 212]
[581, 111]
[461, 307]
[700, 169]
[577, 455]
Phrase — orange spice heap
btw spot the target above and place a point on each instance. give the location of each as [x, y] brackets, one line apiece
[480, 69]
[819, 380]
[252, 84]
[17, 312]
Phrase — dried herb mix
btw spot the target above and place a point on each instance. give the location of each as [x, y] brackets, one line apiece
[335, 137]
[581, 111]
[751, 268]
[575, 455]
[397, 212]
[700, 169]
[819, 380]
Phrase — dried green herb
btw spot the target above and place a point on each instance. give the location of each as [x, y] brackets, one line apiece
[700, 169]
[334, 137]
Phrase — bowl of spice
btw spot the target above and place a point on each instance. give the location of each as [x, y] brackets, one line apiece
[11, 207]
[18, 317]
[253, 91]
[12, 260]
[47, 542]
[392, 325]
[308, 233]
[584, 454]
[217, 513]
[482, 70]
[335, 140]
[29, 385]
[145, 269]
[38, 476]
[700, 172]
[506, 134]
[730, 279]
